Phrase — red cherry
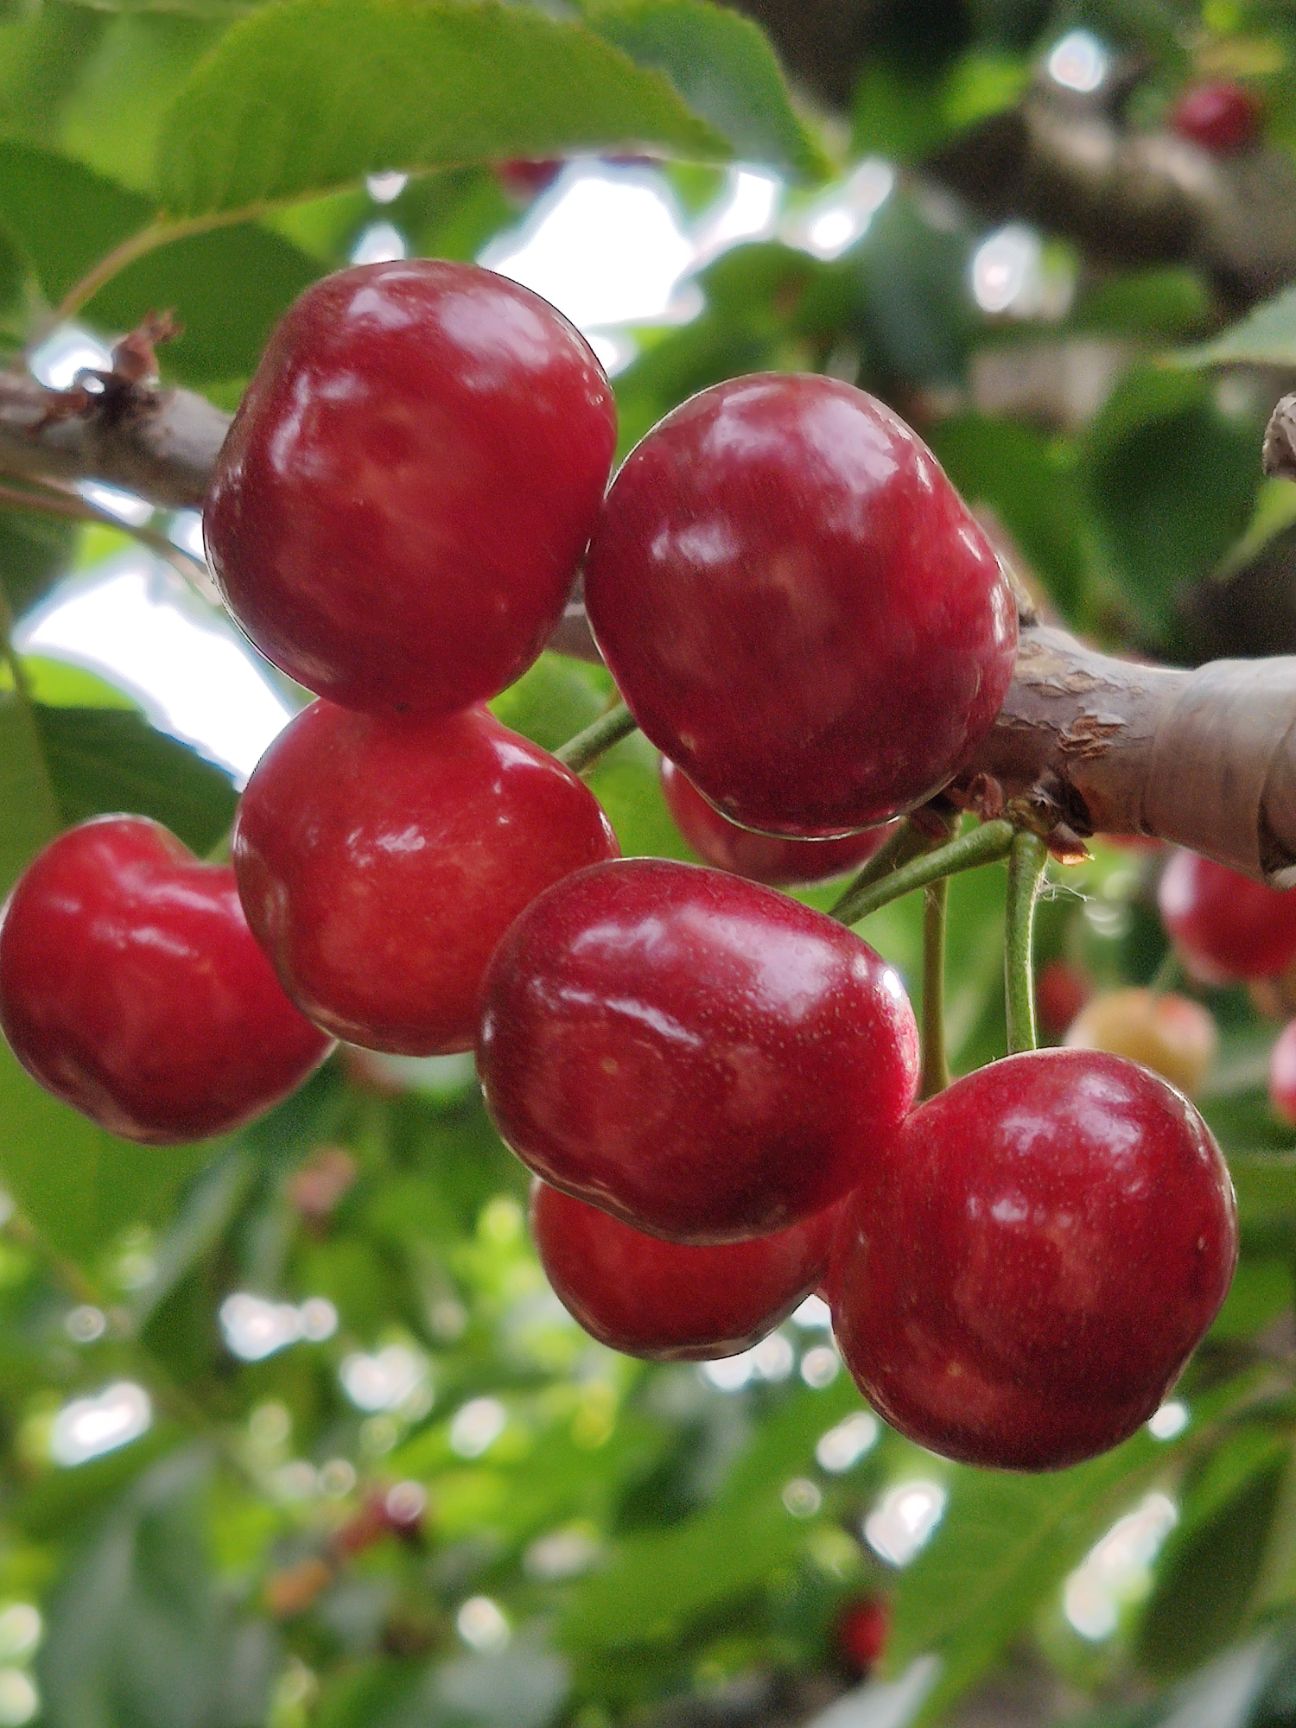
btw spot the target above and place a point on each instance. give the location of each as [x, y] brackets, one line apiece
[668, 1300]
[526, 177]
[773, 859]
[1025, 1270]
[798, 606]
[1061, 991]
[132, 989]
[398, 510]
[1282, 1074]
[1225, 927]
[861, 1633]
[702, 1057]
[381, 861]
[1221, 116]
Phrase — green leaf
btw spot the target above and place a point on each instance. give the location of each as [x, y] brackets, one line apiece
[308, 95]
[658, 1580]
[224, 326]
[1171, 483]
[1265, 337]
[1214, 1559]
[35, 550]
[1004, 1543]
[65, 216]
[723, 67]
[136, 1633]
[1031, 486]
[100, 761]
[913, 307]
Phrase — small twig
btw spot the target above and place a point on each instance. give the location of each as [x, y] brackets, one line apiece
[1279, 453]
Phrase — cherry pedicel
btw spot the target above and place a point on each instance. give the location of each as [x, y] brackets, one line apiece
[668, 1300]
[1226, 927]
[398, 511]
[769, 858]
[132, 988]
[381, 861]
[702, 1057]
[1022, 1274]
[798, 607]
[1221, 116]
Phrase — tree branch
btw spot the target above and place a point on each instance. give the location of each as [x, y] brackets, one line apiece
[1205, 758]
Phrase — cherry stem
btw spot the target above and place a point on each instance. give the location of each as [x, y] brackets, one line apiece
[908, 841]
[582, 751]
[935, 1075]
[982, 846]
[1026, 860]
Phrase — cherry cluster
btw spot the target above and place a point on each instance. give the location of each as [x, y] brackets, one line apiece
[714, 1083]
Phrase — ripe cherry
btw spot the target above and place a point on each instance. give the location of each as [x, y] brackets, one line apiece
[861, 1633]
[668, 1300]
[1061, 991]
[1221, 116]
[773, 859]
[1282, 1074]
[381, 861]
[1172, 1035]
[798, 607]
[398, 510]
[700, 1056]
[1027, 1266]
[132, 988]
[1225, 927]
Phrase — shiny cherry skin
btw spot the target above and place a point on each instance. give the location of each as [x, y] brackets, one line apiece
[132, 988]
[798, 607]
[1170, 1034]
[381, 861]
[1282, 1074]
[773, 859]
[1220, 115]
[1225, 927]
[1021, 1277]
[702, 1057]
[670, 1301]
[861, 1633]
[399, 508]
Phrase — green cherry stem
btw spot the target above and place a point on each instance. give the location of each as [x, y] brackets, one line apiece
[935, 1074]
[908, 841]
[582, 751]
[1026, 860]
[982, 846]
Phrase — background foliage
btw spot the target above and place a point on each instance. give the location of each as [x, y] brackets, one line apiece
[213, 1359]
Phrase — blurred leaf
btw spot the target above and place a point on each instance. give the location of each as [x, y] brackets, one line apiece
[1171, 484]
[524, 1686]
[1031, 486]
[1215, 1558]
[627, 783]
[553, 700]
[100, 761]
[723, 67]
[66, 216]
[1265, 337]
[1164, 304]
[224, 329]
[913, 306]
[903, 110]
[657, 1581]
[136, 1633]
[35, 550]
[311, 94]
